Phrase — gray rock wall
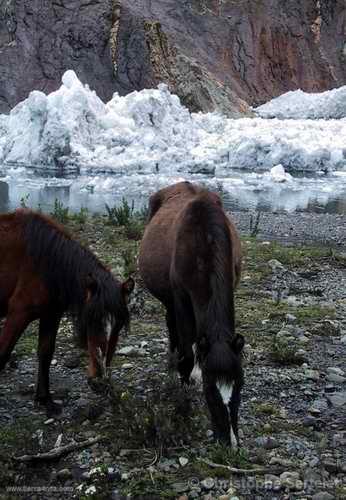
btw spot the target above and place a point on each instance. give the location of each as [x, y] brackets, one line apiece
[215, 54]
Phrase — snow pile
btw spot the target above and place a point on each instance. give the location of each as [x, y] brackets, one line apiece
[301, 105]
[278, 174]
[150, 132]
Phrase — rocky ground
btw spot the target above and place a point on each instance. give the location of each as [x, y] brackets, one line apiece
[155, 439]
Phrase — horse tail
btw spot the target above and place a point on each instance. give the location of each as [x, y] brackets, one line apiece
[205, 249]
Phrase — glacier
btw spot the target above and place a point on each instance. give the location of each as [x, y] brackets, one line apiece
[298, 105]
[145, 140]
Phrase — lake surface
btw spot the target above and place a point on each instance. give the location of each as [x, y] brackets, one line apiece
[242, 190]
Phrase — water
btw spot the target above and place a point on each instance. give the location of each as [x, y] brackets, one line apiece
[240, 191]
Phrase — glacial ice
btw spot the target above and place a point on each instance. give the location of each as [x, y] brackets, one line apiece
[150, 131]
[148, 139]
[300, 105]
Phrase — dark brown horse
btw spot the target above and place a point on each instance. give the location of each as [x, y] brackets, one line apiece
[45, 273]
[190, 259]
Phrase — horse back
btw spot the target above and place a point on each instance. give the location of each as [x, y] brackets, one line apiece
[19, 282]
[168, 226]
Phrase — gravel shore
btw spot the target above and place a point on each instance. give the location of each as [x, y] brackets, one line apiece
[325, 229]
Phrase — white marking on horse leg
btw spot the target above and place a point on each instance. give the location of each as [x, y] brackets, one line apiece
[196, 373]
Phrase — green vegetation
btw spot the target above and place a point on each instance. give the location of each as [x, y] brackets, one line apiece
[122, 215]
[60, 213]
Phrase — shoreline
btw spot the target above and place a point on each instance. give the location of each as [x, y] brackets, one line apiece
[297, 227]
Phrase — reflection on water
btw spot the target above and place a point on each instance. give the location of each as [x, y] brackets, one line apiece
[242, 191]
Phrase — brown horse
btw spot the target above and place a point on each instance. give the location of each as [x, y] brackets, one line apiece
[190, 259]
[45, 273]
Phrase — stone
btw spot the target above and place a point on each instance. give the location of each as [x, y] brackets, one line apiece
[49, 421]
[127, 351]
[336, 370]
[311, 374]
[208, 483]
[267, 442]
[272, 482]
[327, 328]
[64, 474]
[183, 461]
[303, 339]
[337, 399]
[113, 474]
[334, 377]
[329, 388]
[72, 361]
[339, 439]
[180, 487]
[323, 495]
[275, 265]
[291, 481]
[290, 318]
[331, 466]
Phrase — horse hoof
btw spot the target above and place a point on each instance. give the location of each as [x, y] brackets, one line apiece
[51, 407]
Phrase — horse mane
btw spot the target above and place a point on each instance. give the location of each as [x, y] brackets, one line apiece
[69, 270]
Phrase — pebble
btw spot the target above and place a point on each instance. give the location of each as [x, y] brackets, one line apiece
[331, 466]
[336, 370]
[128, 351]
[291, 480]
[323, 495]
[334, 377]
[327, 327]
[311, 374]
[49, 421]
[72, 361]
[208, 483]
[339, 439]
[64, 474]
[275, 265]
[272, 482]
[329, 388]
[113, 474]
[180, 487]
[337, 399]
[183, 461]
[267, 442]
[291, 318]
[127, 366]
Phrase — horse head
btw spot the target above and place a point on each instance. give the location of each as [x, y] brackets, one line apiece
[105, 313]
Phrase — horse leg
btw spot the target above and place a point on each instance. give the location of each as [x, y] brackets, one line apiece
[112, 343]
[15, 324]
[46, 345]
[172, 329]
[173, 338]
[233, 412]
[185, 325]
[218, 410]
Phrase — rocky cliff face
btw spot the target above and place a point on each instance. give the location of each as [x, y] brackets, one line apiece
[215, 54]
